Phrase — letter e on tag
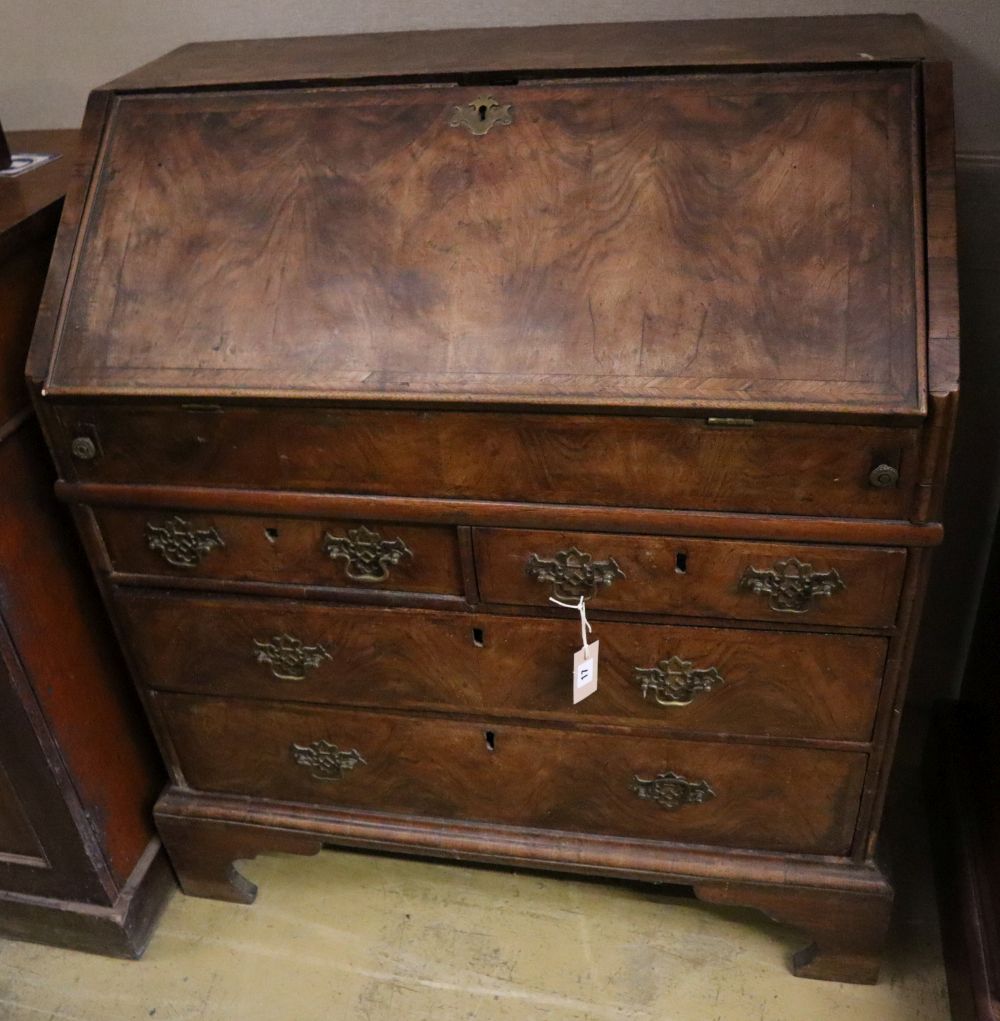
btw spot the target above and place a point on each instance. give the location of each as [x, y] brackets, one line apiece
[585, 672]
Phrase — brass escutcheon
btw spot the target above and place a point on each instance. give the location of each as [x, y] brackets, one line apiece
[479, 116]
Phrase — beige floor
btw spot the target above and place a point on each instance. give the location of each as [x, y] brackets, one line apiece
[352, 937]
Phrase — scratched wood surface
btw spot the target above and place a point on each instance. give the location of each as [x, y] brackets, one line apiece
[770, 683]
[774, 798]
[726, 240]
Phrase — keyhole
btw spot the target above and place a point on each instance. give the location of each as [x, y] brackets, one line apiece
[482, 111]
[681, 563]
[477, 637]
[491, 743]
[271, 534]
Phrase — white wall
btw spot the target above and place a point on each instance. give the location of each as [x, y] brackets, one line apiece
[52, 52]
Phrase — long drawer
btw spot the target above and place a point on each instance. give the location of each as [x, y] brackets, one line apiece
[708, 680]
[368, 556]
[824, 585]
[601, 460]
[734, 795]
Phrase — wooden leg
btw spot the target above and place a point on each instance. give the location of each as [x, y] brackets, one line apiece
[847, 929]
[203, 854]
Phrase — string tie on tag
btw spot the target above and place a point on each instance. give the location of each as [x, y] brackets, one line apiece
[581, 607]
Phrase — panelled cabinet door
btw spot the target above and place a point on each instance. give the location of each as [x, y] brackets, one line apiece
[41, 848]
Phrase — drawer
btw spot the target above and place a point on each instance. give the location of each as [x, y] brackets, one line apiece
[300, 551]
[602, 460]
[736, 795]
[708, 680]
[826, 585]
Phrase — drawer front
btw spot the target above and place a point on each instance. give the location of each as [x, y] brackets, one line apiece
[707, 680]
[736, 795]
[300, 551]
[826, 585]
[614, 461]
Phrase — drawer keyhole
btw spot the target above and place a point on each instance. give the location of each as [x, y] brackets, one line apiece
[681, 563]
[271, 534]
[491, 741]
[478, 639]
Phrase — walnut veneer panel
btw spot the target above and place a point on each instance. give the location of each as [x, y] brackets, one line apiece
[760, 683]
[698, 577]
[777, 798]
[294, 551]
[724, 239]
[603, 460]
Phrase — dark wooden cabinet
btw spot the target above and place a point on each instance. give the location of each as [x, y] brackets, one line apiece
[80, 865]
[357, 352]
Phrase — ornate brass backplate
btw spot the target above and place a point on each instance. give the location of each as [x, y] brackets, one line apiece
[287, 657]
[671, 791]
[368, 555]
[791, 584]
[479, 116]
[325, 761]
[675, 681]
[573, 573]
[180, 543]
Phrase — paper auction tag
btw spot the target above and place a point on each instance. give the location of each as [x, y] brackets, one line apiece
[585, 671]
[585, 660]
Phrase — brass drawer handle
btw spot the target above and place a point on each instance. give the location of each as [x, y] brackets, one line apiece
[791, 584]
[675, 681]
[573, 573]
[287, 657]
[479, 116]
[180, 543]
[368, 555]
[671, 791]
[325, 761]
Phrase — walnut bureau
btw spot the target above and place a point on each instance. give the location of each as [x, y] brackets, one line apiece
[355, 351]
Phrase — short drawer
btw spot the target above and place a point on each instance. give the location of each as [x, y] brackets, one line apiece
[300, 551]
[599, 460]
[848, 586]
[736, 795]
[687, 679]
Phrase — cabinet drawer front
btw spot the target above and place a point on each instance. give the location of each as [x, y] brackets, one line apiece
[734, 795]
[826, 585]
[299, 551]
[707, 680]
[613, 460]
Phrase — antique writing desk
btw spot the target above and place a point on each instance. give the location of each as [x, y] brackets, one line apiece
[356, 351]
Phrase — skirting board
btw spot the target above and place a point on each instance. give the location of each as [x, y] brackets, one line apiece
[120, 930]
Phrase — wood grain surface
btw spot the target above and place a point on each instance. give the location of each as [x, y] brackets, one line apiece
[602, 460]
[771, 683]
[283, 550]
[649, 242]
[856, 39]
[709, 583]
[774, 798]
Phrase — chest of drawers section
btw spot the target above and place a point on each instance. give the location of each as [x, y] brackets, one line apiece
[358, 352]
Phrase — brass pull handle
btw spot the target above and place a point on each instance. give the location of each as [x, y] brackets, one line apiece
[325, 761]
[791, 584]
[287, 657]
[479, 116]
[180, 543]
[368, 555]
[573, 573]
[671, 791]
[675, 681]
